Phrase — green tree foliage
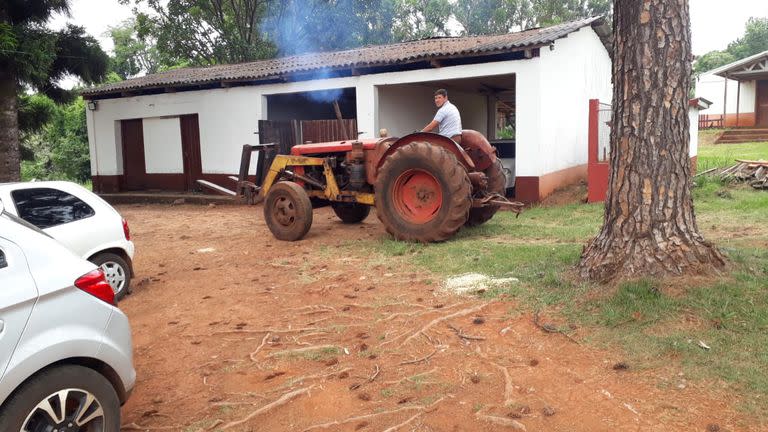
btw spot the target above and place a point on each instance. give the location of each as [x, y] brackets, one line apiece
[501, 16]
[754, 41]
[204, 32]
[59, 147]
[34, 56]
[418, 19]
[135, 49]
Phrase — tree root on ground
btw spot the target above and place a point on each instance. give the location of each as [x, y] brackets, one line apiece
[399, 425]
[258, 348]
[284, 399]
[551, 328]
[423, 408]
[408, 378]
[302, 350]
[134, 426]
[501, 421]
[460, 333]
[436, 321]
[419, 360]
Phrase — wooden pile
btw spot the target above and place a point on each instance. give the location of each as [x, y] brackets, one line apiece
[753, 172]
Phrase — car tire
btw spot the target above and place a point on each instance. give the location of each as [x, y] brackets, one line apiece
[117, 271]
[83, 390]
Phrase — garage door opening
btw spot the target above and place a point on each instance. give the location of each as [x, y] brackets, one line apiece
[316, 116]
[486, 104]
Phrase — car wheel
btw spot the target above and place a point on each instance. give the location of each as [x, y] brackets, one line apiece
[117, 272]
[65, 398]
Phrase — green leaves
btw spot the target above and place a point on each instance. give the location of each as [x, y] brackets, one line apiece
[754, 41]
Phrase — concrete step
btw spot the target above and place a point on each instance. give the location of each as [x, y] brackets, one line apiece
[744, 136]
[165, 198]
[746, 132]
[740, 140]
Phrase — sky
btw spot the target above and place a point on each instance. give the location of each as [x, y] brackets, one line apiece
[714, 23]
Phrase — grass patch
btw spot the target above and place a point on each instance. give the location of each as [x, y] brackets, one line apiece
[319, 354]
[725, 155]
[656, 323]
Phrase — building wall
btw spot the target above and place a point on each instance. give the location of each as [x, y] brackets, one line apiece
[551, 102]
[711, 87]
[408, 107]
[693, 118]
[577, 70]
[229, 116]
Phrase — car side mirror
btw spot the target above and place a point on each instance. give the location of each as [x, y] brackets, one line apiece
[3, 261]
[2, 208]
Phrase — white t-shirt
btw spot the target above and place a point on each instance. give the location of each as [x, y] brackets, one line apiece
[449, 119]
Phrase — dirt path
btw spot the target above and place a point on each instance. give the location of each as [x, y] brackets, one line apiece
[234, 330]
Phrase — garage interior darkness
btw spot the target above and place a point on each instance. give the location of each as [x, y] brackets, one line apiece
[486, 104]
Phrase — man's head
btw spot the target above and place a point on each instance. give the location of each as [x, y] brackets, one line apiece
[441, 96]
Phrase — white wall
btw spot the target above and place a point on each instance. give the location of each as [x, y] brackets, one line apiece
[162, 146]
[552, 99]
[405, 108]
[693, 118]
[577, 70]
[711, 87]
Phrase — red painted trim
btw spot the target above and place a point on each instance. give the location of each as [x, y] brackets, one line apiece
[527, 189]
[330, 147]
[160, 182]
[597, 181]
[599, 176]
[594, 110]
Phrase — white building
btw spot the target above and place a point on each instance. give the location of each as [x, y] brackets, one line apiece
[166, 130]
[739, 93]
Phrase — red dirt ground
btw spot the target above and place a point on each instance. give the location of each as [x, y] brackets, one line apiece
[224, 340]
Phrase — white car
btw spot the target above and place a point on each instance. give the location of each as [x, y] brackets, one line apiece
[66, 360]
[81, 221]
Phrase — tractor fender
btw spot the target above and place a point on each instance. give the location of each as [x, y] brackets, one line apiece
[433, 139]
[482, 153]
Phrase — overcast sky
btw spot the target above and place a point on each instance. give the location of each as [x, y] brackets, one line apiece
[714, 23]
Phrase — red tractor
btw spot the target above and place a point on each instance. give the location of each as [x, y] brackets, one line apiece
[424, 186]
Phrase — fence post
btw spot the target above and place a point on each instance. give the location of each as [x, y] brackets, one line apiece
[594, 114]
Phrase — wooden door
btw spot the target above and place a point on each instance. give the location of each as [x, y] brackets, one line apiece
[761, 110]
[284, 132]
[190, 147]
[134, 168]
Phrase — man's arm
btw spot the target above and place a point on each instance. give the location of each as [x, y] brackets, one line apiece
[431, 126]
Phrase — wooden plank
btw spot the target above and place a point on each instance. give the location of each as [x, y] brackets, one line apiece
[213, 186]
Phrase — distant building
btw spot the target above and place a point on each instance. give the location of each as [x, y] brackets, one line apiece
[739, 93]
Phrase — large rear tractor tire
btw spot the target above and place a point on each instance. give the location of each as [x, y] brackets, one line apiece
[423, 193]
[497, 183]
[351, 213]
[288, 211]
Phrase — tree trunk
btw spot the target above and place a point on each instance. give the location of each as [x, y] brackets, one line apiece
[649, 228]
[10, 161]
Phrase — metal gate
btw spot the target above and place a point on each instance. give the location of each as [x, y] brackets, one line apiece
[288, 133]
[599, 148]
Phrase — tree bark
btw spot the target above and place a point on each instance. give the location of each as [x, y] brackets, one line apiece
[649, 228]
[10, 160]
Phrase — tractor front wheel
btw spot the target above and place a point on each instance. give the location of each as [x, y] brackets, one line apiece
[351, 213]
[423, 193]
[288, 211]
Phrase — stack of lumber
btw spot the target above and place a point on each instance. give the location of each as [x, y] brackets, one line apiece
[753, 172]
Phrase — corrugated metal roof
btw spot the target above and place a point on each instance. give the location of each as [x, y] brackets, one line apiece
[379, 55]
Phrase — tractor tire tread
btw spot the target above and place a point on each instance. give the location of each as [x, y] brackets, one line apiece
[457, 193]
